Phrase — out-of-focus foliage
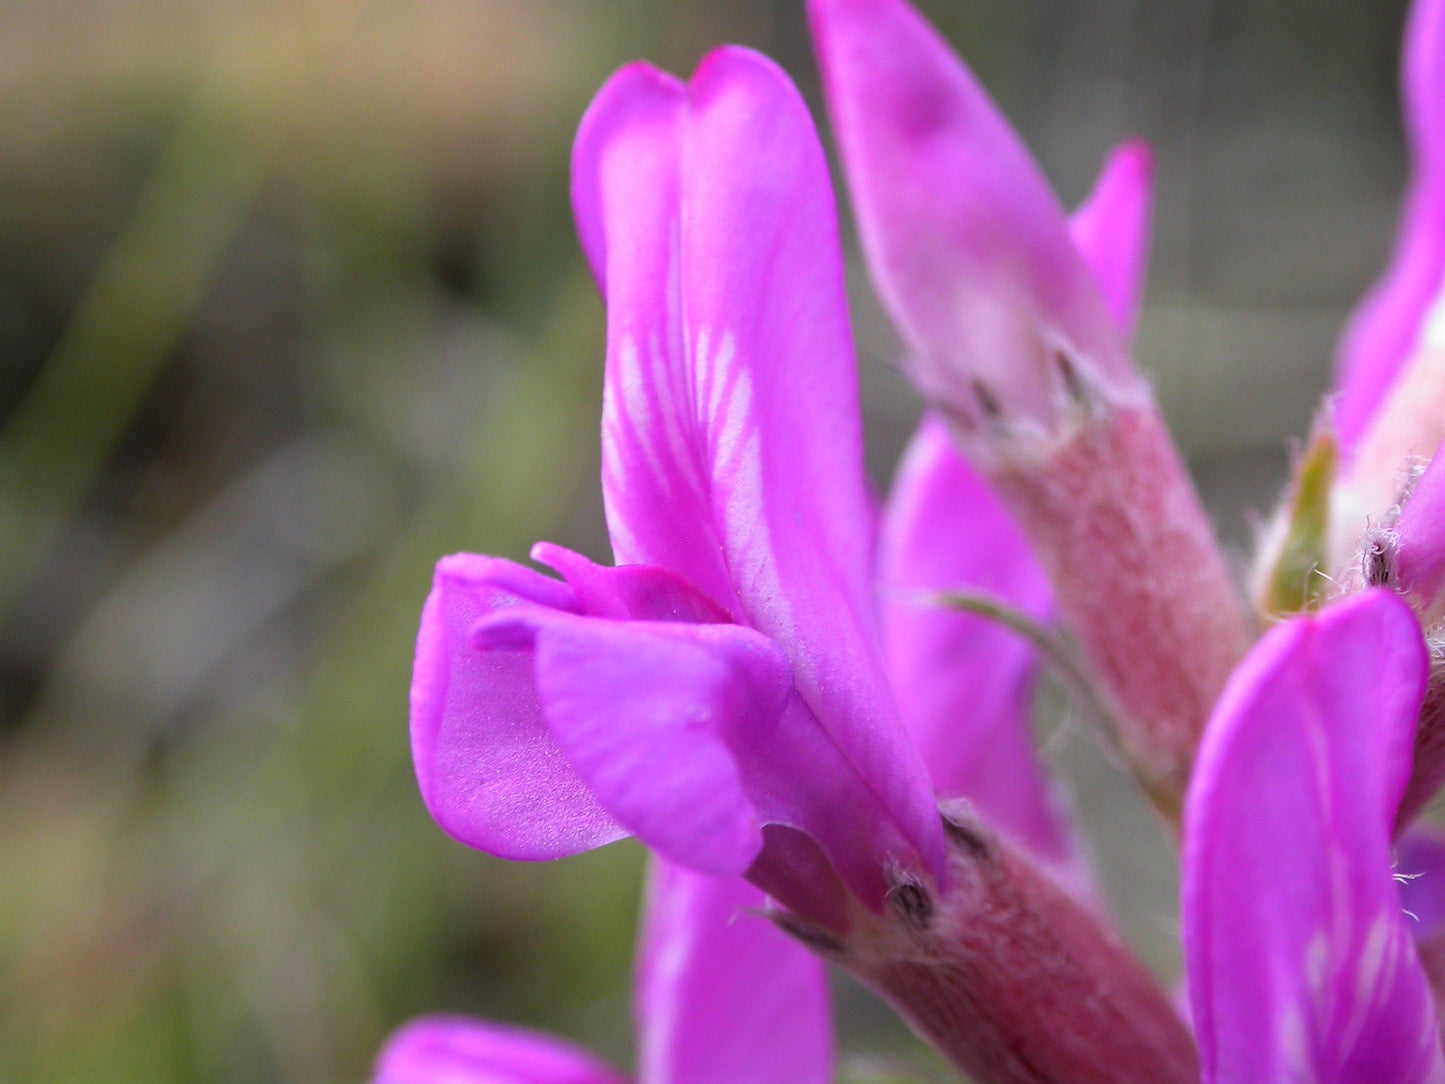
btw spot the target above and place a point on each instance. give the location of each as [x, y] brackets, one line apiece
[290, 306]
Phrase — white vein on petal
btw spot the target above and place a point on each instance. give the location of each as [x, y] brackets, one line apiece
[1432, 328]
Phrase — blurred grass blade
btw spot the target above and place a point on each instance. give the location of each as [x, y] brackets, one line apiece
[91, 388]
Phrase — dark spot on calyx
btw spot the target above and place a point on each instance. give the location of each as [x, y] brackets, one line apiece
[988, 404]
[1074, 383]
[912, 903]
[1379, 560]
[964, 833]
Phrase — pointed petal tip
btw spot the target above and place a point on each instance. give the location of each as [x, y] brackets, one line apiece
[1382, 337]
[1112, 230]
[1136, 154]
[964, 235]
[1422, 81]
[569, 564]
[542, 551]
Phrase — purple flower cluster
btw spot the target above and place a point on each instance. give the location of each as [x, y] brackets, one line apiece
[769, 691]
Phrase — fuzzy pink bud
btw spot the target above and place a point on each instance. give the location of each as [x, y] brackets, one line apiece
[1016, 346]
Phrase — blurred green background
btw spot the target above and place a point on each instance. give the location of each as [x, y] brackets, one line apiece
[290, 306]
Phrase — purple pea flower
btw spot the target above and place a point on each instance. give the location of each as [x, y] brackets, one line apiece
[1301, 960]
[726, 676]
[1017, 344]
[964, 683]
[1387, 509]
[720, 694]
[1341, 996]
[722, 997]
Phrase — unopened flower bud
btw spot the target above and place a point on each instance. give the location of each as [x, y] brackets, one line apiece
[1017, 348]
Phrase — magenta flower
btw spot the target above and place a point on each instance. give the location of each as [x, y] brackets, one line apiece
[722, 997]
[1302, 964]
[1017, 343]
[727, 676]
[1314, 981]
[720, 694]
[1386, 509]
[741, 695]
[964, 683]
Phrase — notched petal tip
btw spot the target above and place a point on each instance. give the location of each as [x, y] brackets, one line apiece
[726, 309]
[639, 107]
[730, 68]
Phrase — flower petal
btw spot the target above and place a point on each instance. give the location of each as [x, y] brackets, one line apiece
[1385, 331]
[1111, 230]
[692, 736]
[965, 240]
[646, 712]
[732, 450]
[454, 1050]
[1420, 867]
[630, 592]
[1301, 963]
[490, 771]
[540, 731]
[627, 198]
[722, 995]
[629, 141]
[1420, 864]
[1419, 543]
[965, 684]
